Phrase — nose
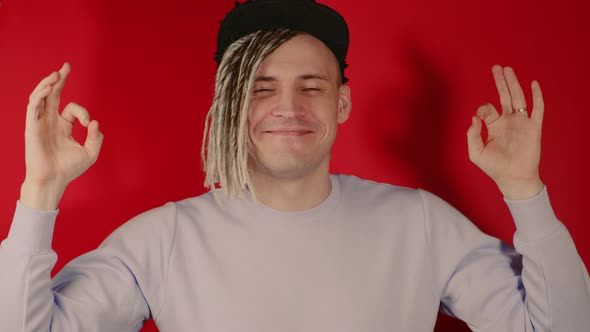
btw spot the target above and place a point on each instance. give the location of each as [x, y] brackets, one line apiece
[289, 105]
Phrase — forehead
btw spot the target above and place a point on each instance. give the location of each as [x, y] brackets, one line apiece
[301, 55]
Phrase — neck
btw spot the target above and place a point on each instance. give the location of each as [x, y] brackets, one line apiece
[290, 194]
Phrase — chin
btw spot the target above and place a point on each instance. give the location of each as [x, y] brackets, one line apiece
[287, 165]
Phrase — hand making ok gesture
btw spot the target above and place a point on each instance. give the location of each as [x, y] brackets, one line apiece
[512, 152]
[53, 157]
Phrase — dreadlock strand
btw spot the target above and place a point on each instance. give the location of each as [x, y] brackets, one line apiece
[225, 137]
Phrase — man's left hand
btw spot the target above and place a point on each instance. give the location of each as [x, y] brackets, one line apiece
[512, 151]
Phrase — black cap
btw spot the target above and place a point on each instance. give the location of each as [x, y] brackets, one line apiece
[307, 16]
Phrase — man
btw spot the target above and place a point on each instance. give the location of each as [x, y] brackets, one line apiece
[283, 245]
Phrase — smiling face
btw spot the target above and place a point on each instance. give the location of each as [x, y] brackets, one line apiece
[297, 103]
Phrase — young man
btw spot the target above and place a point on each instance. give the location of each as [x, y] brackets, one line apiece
[283, 245]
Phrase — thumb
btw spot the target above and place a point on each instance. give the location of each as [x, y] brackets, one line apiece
[93, 140]
[474, 141]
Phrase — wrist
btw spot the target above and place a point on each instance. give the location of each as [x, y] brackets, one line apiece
[41, 196]
[521, 190]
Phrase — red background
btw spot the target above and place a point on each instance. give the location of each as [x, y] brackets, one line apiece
[418, 71]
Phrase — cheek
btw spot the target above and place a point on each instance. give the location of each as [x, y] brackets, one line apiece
[255, 116]
[328, 117]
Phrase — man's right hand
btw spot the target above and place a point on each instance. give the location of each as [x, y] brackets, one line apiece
[53, 157]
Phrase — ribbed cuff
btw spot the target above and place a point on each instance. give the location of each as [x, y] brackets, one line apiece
[534, 217]
[31, 231]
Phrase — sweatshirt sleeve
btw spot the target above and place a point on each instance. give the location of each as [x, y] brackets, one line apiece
[541, 286]
[26, 260]
[104, 290]
[554, 275]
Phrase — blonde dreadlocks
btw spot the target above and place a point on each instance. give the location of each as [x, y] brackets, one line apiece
[225, 138]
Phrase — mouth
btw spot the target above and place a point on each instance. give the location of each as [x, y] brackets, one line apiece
[288, 132]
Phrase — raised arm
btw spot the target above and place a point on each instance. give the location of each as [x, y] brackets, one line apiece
[556, 293]
[97, 291]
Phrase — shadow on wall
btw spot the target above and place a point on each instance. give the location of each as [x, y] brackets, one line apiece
[423, 104]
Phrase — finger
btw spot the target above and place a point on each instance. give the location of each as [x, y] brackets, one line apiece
[74, 111]
[538, 104]
[49, 80]
[93, 141]
[474, 141]
[518, 99]
[54, 97]
[503, 92]
[36, 105]
[488, 113]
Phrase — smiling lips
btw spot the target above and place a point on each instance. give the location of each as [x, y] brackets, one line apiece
[288, 131]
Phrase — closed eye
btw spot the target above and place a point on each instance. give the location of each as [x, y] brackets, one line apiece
[263, 90]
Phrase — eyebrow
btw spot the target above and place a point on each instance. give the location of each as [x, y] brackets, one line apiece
[302, 77]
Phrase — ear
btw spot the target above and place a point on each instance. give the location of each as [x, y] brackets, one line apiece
[344, 103]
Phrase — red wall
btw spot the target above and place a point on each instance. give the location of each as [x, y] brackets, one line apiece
[418, 71]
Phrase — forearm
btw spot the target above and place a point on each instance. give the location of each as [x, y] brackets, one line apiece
[520, 190]
[44, 197]
[554, 276]
[556, 283]
[26, 260]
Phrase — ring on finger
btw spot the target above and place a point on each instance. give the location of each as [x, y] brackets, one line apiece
[520, 110]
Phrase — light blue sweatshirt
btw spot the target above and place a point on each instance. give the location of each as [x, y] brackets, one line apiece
[372, 258]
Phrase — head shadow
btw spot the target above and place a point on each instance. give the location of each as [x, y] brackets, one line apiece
[423, 106]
